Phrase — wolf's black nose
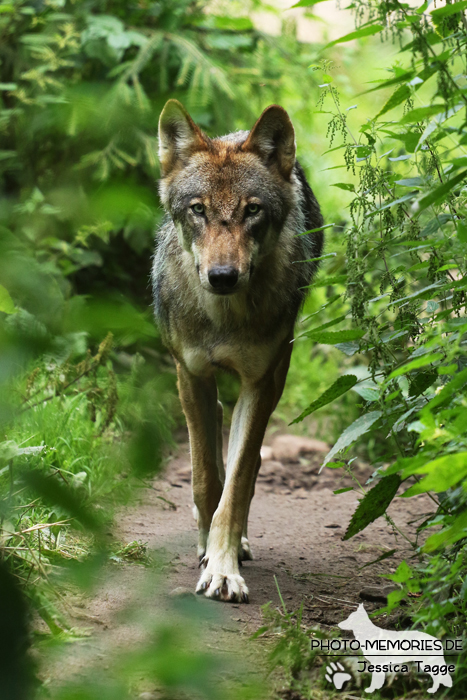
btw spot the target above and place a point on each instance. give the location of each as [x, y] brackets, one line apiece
[223, 278]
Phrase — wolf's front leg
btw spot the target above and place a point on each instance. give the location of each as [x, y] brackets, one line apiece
[198, 396]
[221, 577]
[280, 375]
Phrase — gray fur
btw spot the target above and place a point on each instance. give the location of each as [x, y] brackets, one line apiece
[275, 290]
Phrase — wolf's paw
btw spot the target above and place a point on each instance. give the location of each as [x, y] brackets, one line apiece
[227, 587]
[245, 553]
[335, 674]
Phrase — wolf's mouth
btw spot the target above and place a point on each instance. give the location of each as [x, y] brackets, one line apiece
[223, 292]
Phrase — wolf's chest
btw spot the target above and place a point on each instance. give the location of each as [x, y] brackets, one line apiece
[250, 361]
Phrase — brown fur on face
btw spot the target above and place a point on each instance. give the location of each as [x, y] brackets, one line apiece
[224, 214]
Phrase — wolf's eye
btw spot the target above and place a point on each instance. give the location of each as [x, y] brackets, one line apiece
[252, 208]
[198, 208]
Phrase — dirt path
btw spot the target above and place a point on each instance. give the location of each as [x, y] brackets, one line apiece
[296, 527]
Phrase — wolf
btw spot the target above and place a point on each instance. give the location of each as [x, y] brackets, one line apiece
[388, 650]
[231, 270]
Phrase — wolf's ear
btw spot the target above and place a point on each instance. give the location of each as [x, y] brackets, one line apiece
[273, 139]
[178, 136]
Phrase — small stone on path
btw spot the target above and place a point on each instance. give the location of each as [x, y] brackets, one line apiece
[181, 592]
[266, 453]
[377, 593]
[291, 447]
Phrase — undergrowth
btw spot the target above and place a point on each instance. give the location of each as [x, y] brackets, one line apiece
[402, 285]
[84, 420]
[68, 463]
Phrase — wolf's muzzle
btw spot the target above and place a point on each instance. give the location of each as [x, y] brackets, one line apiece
[223, 279]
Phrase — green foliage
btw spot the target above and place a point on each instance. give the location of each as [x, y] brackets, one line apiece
[81, 88]
[435, 595]
[359, 427]
[373, 505]
[170, 661]
[292, 651]
[340, 386]
[405, 260]
[135, 551]
[87, 392]
[406, 285]
[65, 466]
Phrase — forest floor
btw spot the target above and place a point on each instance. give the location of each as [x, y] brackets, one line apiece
[296, 528]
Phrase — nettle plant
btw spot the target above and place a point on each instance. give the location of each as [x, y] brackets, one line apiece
[405, 282]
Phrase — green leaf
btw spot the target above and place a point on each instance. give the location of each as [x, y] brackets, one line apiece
[54, 493]
[321, 257]
[359, 34]
[8, 450]
[403, 78]
[384, 556]
[340, 386]
[367, 393]
[348, 488]
[439, 192]
[409, 139]
[348, 349]
[329, 324]
[344, 186]
[421, 382]
[456, 383]
[400, 95]
[36, 39]
[260, 631]
[451, 9]
[6, 302]
[4, 155]
[410, 182]
[420, 292]
[435, 224]
[457, 531]
[437, 121]
[373, 504]
[416, 364]
[402, 574]
[307, 3]
[331, 338]
[404, 198]
[314, 230]
[416, 115]
[235, 24]
[462, 232]
[327, 281]
[350, 434]
[443, 473]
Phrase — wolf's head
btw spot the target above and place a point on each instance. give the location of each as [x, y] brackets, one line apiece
[355, 620]
[229, 197]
